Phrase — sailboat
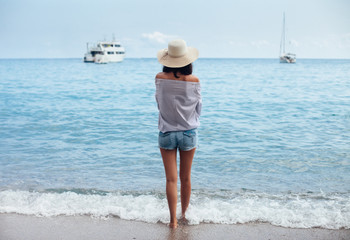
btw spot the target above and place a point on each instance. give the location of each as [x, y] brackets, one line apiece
[285, 57]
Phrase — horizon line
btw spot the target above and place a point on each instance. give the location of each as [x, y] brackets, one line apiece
[61, 58]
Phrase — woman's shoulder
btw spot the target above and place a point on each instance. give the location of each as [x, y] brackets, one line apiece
[168, 76]
[191, 78]
[161, 75]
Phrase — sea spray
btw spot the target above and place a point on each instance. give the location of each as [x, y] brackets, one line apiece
[295, 210]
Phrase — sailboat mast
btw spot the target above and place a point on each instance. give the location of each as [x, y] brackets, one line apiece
[285, 57]
[282, 47]
[284, 33]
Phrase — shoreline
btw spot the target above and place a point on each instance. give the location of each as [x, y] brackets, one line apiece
[16, 226]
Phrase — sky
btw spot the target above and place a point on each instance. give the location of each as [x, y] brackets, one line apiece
[218, 28]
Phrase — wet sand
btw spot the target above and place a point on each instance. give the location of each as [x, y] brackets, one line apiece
[14, 226]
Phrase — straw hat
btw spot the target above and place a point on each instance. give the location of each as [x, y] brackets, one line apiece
[177, 55]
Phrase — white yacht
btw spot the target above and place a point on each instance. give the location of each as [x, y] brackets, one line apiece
[285, 57]
[105, 52]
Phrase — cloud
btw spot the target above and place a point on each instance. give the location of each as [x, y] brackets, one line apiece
[294, 42]
[344, 41]
[157, 37]
[334, 41]
[237, 43]
[321, 43]
[259, 43]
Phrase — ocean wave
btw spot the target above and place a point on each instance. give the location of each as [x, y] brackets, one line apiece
[294, 210]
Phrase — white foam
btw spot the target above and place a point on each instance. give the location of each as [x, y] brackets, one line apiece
[286, 211]
[296, 211]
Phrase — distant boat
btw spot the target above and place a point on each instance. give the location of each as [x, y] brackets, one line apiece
[285, 57]
[105, 52]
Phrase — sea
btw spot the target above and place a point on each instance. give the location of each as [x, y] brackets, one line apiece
[81, 139]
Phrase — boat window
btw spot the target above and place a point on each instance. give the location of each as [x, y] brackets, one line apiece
[110, 52]
[117, 45]
[93, 53]
[119, 52]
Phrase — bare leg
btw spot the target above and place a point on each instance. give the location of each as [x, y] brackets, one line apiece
[186, 158]
[170, 166]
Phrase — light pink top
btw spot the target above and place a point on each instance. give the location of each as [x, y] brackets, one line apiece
[179, 104]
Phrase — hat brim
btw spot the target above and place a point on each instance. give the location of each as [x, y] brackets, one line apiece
[176, 62]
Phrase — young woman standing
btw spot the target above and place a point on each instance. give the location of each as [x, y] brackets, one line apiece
[179, 103]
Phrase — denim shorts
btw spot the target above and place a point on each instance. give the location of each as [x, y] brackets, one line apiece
[183, 140]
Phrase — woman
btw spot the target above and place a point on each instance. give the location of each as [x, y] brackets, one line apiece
[179, 103]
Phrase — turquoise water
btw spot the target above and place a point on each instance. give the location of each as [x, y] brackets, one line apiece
[273, 137]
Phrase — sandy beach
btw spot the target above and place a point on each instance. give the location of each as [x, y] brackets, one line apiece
[14, 226]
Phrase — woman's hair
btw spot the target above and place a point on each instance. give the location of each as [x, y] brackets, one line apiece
[186, 70]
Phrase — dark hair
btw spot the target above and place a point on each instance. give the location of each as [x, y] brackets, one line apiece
[186, 70]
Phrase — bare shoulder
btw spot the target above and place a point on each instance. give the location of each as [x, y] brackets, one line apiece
[191, 78]
[160, 75]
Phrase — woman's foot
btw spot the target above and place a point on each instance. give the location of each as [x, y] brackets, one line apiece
[173, 225]
[183, 220]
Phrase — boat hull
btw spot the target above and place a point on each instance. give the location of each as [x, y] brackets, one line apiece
[286, 60]
[88, 58]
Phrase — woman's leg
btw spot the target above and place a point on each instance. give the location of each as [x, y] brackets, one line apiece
[170, 166]
[186, 158]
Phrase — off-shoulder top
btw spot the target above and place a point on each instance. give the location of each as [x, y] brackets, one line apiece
[179, 104]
